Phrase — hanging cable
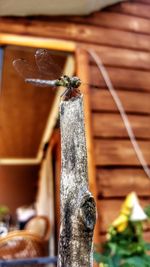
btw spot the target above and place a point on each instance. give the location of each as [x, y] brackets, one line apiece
[120, 107]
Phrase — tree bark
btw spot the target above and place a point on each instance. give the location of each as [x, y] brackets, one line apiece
[78, 212]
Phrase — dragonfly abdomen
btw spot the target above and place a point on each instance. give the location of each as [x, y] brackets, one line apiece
[40, 82]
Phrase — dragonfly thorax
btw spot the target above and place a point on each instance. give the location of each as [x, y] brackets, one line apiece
[65, 81]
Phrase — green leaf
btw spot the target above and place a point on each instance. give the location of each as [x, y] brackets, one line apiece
[97, 256]
[136, 262]
[4, 210]
[116, 260]
[113, 248]
[147, 246]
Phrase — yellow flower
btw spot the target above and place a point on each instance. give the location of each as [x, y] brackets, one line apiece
[128, 204]
[122, 220]
[120, 223]
[130, 210]
[103, 265]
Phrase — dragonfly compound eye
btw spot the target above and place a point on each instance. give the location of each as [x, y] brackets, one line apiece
[75, 82]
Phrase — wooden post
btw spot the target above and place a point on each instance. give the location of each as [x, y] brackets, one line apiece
[78, 212]
[83, 72]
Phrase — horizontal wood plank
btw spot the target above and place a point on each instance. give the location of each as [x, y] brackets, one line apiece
[121, 57]
[101, 100]
[135, 9]
[112, 125]
[76, 32]
[120, 182]
[116, 21]
[147, 2]
[119, 152]
[123, 78]
[108, 211]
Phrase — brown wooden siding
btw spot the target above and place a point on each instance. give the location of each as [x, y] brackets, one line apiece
[117, 182]
[133, 102]
[18, 185]
[121, 37]
[118, 169]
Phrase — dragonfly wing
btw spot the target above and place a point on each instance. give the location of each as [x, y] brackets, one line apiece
[46, 64]
[29, 73]
[25, 69]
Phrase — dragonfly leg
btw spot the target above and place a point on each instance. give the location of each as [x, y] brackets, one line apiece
[65, 92]
[70, 92]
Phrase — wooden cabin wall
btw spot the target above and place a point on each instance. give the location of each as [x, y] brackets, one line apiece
[18, 185]
[118, 169]
[121, 36]
[23, 117]
[24, 109]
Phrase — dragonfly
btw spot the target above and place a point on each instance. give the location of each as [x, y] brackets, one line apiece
[46, 67]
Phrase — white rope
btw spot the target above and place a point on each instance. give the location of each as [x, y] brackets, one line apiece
[120, 107]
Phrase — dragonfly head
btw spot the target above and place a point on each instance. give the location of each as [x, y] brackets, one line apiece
[75, 82]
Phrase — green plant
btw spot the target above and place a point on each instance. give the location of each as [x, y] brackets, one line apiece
[125, 246]
[4, 210]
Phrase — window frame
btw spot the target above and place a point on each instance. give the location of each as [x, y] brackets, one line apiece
[37, 42]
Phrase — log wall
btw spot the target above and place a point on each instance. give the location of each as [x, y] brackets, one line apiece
[118, 169]
[121, 36]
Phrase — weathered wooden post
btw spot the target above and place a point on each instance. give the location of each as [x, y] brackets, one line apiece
[78, 212]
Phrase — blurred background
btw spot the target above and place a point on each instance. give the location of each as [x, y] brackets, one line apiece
[30, 161]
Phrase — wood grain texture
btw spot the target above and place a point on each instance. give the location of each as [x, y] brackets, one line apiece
[123, 78]
[121, 37]
[57, 172]
[133, 102]
[83, 70]
[134, 9]
[78, 210]
[115, 182]
[76, 32]
[119, 152]
[142, 1]
[115, 20]
[111, 125]
[121, 57]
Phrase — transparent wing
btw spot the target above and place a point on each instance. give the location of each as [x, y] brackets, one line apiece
[30, 73]
[46, 64]
[25, 69]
